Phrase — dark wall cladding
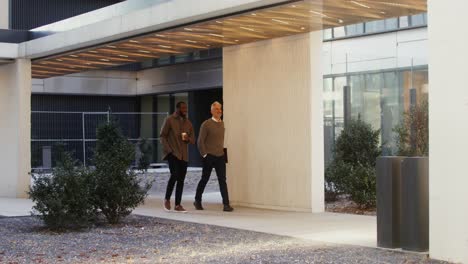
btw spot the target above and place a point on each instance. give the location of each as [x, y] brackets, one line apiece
[29, 14]
[73, 103]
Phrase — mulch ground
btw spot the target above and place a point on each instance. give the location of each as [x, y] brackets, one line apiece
[141, 239]
[345, 206]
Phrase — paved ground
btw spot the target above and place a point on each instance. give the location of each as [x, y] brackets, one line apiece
[153, 240]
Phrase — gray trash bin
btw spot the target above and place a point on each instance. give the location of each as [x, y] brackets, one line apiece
[388, 201]
[415, 204]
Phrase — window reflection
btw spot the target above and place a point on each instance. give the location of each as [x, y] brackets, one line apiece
[376, 26]
[379, 99]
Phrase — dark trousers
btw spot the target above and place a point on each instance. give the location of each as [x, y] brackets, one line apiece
[178, 170]
[219, 163]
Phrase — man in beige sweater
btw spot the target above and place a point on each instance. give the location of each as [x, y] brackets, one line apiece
[211, 147]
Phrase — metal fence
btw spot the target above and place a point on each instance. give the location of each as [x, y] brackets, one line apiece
[75, 132]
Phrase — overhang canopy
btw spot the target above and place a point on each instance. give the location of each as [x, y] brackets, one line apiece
[295, 17]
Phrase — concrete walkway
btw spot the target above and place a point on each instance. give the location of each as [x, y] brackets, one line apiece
[324, 228]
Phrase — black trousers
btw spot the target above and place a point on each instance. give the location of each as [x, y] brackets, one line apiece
[178, 170]
[219, 163]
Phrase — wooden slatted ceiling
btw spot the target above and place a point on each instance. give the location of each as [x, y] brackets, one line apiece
[294, 18]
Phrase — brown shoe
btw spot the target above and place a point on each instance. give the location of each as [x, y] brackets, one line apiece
[167, 205]
[180, 209]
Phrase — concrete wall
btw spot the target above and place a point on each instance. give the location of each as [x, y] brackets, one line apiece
[175, 78]
[8, 50]
[15, 127]
[89, 83]
[273, 114]
[4, 14]
[181, 77]
[448, 130]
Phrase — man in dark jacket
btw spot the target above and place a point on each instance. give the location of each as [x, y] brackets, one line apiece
[176, 134]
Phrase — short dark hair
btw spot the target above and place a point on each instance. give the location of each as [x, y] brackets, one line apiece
[179, 104]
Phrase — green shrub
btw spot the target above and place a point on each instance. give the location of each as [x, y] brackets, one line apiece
[361, 185]
[117, 190]
[358, 143]
[413, 132]
[63, 199]
[353, 169]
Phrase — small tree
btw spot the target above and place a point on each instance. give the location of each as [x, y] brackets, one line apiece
[117, 189]
[353, 169]
[146, 151]
[63, 199]
[413, 132]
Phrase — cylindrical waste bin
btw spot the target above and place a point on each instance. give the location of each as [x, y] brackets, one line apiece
[388, 201]
[415, 204]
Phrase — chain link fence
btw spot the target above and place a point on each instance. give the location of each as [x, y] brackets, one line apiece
[75, 132]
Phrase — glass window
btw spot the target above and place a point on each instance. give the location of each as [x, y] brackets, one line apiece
[327, 33]
[358, 85]
[339, 32]
[182, 58]
[404, 22]
[418, 20]
[414, 85]
[375, 26]
[355, 29]
[391, 112]
[329, 123]
[391, 23]
[147, 63]
[164, 60]
[371, 110]
[338, 107]
[328, 97]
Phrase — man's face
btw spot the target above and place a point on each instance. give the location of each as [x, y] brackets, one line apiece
[217, 111]
[183, 110]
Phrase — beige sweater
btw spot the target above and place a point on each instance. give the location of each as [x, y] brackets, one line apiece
[211, 138]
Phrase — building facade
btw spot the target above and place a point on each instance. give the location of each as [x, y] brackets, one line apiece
[286, 91]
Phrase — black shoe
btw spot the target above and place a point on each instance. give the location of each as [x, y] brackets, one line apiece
[228, 208]
[198, 205]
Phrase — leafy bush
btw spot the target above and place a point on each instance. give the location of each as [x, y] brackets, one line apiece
[413, 132]
[353, 169]
[117, 190]
[64, 199]
[361, 185]
[146, 151]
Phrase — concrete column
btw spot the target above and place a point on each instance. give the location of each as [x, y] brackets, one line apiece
[448, 130]
[4, 14]
[274, 124]
[15, 127]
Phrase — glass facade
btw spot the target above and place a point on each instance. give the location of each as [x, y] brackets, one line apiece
[375, 26]
[379, 98]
